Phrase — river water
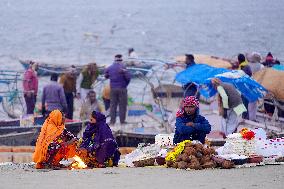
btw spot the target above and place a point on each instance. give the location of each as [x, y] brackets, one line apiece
[77, 32]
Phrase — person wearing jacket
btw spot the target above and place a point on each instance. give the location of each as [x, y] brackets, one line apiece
[244, 65]
[30, 85]
[230, 104]
[190, 89]
[190, 125]
[86, 79]
[53, 97]
[68, 81]
[119, 79]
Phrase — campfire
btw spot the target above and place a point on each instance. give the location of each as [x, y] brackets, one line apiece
[78, 163]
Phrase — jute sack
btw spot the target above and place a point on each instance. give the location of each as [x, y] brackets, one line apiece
[272, 80]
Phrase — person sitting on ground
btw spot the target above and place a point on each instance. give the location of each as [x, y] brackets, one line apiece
[244, 65]
[53, 97]
[89, 105]
[190, 125]
[54, 142]
[269, 60]
[190, 89]
[254, 62]
[98, 147]
[230, 104]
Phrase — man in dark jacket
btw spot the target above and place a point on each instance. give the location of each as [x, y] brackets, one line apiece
[189, 124]
[68, 81]
[119, 80]
[190, 89]
[53, 97]
[30, 86]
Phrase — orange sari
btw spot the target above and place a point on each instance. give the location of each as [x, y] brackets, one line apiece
[51, 129]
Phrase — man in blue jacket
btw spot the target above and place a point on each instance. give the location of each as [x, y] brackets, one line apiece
[119, 80]
[189, 124]
[190, 89]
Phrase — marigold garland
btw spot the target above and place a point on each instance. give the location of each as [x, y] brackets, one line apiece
[247, 134]
[172, 155]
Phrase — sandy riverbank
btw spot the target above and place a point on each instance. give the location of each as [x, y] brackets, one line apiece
[24, 176]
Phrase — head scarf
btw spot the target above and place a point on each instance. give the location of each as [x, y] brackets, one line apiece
[100, 129]
[51, 129]
[188, 101]
[269, 57]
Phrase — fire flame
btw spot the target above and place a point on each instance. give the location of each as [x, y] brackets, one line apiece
[79, 163]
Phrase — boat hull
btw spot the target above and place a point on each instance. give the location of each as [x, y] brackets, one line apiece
[47, 69]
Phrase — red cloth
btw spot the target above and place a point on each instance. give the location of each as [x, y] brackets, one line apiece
[269, 58]
[187, 101]
[190, 101]
[30, 82]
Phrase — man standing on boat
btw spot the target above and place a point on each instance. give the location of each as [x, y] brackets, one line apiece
[133, 57]
[119, 80]
[190, 89]
[53, 97]
[68, 81]
[30, 85]
[86, 79]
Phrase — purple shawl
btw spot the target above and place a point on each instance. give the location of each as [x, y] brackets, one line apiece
[103, 143]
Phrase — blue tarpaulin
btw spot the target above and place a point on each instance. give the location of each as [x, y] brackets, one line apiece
[201, 75]
[278, 67]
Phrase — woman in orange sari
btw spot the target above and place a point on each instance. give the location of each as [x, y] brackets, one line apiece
[54, 142]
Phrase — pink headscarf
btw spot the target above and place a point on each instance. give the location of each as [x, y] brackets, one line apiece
[188, 101]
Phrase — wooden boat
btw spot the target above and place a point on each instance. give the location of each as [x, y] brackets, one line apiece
[15, 135]
[46, 69]
[135, 132]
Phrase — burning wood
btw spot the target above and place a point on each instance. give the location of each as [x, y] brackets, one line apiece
[78, 163]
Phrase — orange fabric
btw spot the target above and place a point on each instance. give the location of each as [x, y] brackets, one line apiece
[67, 152]
[51, 129]
[106, 92]
[71, 151]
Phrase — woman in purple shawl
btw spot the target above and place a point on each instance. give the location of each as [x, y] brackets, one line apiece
[99, 146]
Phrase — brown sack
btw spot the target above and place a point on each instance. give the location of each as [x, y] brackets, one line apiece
[272, 80]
